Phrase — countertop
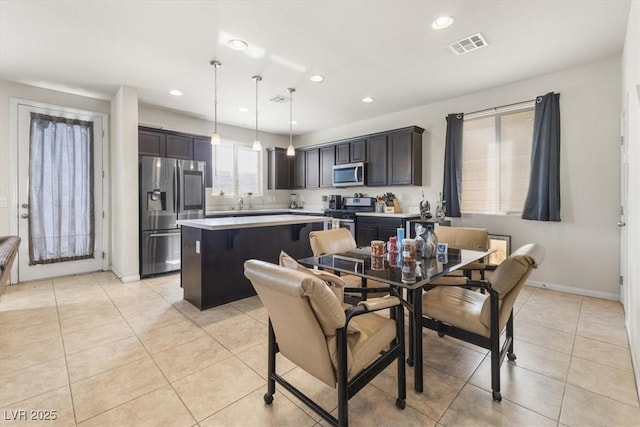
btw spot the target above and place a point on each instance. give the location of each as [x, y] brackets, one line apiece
[390, 215]
[252, 211]
[227, 223]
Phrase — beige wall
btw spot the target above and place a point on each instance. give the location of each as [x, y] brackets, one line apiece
[631, 97]
[583, 249]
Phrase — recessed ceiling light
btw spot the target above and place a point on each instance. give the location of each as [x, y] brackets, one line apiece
[316, 78]
[368, 99]
[243, 109]
[175, 92]
[293, 122]
[442, 22]
[237, 44]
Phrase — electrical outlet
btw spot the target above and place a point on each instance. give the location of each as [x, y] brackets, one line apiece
[401, 197]
[3, 202]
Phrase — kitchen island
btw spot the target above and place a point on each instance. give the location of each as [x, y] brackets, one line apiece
[214, 251]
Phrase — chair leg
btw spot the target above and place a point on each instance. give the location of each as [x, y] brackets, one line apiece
[401, 401]
[343, 393]
[271, 366]
[510, 354]
[495, 347]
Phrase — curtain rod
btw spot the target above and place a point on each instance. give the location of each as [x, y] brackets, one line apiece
[486, 110]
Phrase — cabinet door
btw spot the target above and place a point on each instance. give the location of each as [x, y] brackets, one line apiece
[343, 154]
[312, 166]
[386, 231]
[280, 169]
[365, 233]
[401, 159]
[299, 171]
[377, 161]
[358, 151]
[202, 153]
[179, 147]
[327, 160]
[151, 143]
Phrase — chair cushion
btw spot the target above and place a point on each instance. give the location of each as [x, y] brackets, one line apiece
[376, 333]
[509, 273]
[333, 241]
[463, 237]
[457, 307]
[336, 283]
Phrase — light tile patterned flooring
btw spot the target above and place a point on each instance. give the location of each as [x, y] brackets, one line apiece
[102, 353]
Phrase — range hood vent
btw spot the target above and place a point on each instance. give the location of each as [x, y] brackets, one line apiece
[468, 44]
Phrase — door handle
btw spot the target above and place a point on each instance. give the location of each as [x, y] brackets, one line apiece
[622, 224]
[24, 215]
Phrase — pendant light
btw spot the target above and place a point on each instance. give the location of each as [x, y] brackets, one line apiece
[290, 150]
[215, 136]
[257, 146]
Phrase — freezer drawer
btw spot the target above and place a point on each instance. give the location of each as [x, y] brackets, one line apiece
[160, 252]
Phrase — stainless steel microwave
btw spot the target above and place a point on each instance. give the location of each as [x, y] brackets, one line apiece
[348, 175]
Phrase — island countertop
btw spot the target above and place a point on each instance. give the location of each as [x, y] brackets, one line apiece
[232, 223]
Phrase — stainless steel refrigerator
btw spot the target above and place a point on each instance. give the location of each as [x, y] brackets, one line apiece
[170, 189]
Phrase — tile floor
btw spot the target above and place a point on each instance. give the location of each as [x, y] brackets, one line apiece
[102, 353]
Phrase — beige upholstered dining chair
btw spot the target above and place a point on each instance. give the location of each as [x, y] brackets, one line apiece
[479, 318]
[308, 325]
[465, 238]
[340, 240]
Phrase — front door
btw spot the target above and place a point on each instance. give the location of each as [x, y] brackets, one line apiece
[60, 191]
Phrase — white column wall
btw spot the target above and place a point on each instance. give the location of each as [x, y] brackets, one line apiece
[124, 184]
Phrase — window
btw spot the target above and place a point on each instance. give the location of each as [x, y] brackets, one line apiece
[237, 169]
[496, 157]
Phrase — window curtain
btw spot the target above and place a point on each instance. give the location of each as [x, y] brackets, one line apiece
[452, 186]
[61, 210]
[543, 197]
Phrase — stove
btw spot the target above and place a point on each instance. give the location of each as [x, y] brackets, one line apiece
[350, 206]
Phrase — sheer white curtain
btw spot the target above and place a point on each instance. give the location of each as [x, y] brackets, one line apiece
[61, 211]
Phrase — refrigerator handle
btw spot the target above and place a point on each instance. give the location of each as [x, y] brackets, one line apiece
[176, 189]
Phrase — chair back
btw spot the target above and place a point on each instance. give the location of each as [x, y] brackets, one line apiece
[329, 242]
[509, 278]
[463, 237]
[304, 314]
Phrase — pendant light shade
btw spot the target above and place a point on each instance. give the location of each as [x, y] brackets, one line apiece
[215, 136]
[257, 146]
[290, 150]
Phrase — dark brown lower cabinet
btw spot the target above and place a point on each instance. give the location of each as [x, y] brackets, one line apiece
[370, 228]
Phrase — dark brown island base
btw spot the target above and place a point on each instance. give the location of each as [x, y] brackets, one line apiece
[214, 251]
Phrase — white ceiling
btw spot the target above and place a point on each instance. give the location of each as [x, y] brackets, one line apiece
[383, 49]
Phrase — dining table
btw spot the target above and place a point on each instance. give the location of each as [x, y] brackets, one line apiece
[389, 270]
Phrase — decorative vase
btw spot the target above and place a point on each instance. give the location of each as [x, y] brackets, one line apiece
[428, 241]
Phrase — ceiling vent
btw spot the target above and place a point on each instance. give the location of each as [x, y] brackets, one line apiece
[468, 44]
[279, 99]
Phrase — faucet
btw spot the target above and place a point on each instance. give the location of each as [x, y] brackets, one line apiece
[240, 203]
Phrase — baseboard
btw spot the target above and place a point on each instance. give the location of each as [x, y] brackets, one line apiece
[574, 290]
[634, 356]
[125, 279]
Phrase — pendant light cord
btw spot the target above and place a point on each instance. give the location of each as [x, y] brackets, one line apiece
[291, 116]
[215, 98]
[257, 79]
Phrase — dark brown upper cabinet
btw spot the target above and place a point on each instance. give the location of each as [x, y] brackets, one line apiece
[202, 153]
[312, 168]
[405, 157]
[351, 152]
[279, 169]
[151, 143]
[299, 170]
[327, 161]
[377, 161]
[180, 147]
